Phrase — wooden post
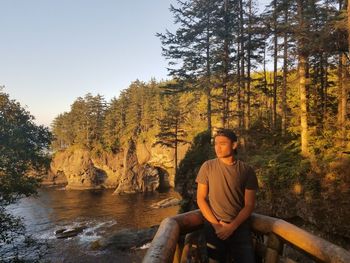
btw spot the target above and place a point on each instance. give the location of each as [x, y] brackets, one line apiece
[165, 241]
[274, 249]
[178, 253]
[186, 253]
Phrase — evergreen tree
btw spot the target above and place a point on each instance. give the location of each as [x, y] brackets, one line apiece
[64, 134]
[112, 126]
[82, 125]
[171, 132]
[190, 49]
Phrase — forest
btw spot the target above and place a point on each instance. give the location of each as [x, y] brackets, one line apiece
[279, 78]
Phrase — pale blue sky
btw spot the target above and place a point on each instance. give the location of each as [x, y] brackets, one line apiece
[53, 51]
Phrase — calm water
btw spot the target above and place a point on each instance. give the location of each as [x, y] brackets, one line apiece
[102, 213]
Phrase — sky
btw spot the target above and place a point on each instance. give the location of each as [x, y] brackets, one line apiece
[53, 51]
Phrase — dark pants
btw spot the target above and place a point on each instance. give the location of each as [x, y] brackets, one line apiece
[239, 245]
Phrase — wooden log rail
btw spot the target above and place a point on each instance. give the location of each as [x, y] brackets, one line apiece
[165, 245]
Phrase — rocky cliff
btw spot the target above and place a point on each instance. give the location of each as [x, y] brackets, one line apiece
[139, 167]
[83, 170]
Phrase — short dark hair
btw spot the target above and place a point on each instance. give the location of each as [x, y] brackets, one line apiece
[227, 133]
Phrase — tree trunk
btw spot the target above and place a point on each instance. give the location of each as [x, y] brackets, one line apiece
[323, 84]
[239, 99]
[303, 105]
[175, 147]
[285, 75]
[275, 47]
[225, 96]
[348, 25]
[302, 71]
[241, 56]
[208, 75]
[247, 115]
[343, 79]
[266, 88]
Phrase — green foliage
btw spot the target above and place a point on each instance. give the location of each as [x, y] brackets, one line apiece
[91, 121]
[171, 125]
[23, 148]
[280, 166]
[139, 113]
[82, 125]
[215, 54]
[200, 151]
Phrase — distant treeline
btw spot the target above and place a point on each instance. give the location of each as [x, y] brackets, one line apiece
[142, 112]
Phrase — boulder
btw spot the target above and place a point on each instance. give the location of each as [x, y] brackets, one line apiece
[126, 239]
[171, 201]
[65, 233]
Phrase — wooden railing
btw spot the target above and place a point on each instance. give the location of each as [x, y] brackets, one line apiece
[165, 245]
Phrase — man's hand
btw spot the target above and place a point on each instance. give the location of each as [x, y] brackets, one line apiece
[216, 227]
[225, 230]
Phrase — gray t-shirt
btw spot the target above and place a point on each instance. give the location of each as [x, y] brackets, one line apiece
[227, 184]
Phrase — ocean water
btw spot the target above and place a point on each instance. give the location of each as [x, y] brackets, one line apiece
[99, 211]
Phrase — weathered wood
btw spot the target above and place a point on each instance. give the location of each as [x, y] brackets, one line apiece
[189, 239]
[190, 221]
[262, 224]
[178, 254]
[186, 253]
[271, 256]
[164, 243]
[163, 246]
[308, 243]
[274, 249]
[289, 260]
[313, 245]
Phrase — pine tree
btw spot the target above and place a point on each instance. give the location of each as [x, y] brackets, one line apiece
[171, 125]
[190, 49]
[62, 129]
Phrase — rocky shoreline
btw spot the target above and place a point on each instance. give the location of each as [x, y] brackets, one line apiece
[140, 167]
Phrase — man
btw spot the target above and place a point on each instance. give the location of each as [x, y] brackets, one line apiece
[226, 198]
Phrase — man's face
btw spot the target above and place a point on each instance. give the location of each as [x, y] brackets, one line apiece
[224, 147]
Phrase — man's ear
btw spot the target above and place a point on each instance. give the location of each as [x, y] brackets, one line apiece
[234, 145]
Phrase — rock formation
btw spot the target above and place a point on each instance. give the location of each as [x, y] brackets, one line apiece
[136, 177]
[126, 239]
[139, 167]
[85, 171]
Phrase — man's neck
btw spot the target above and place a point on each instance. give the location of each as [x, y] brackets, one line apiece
[229, 160]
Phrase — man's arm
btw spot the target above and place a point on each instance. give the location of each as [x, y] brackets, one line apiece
[229, 228]
[202, 193]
